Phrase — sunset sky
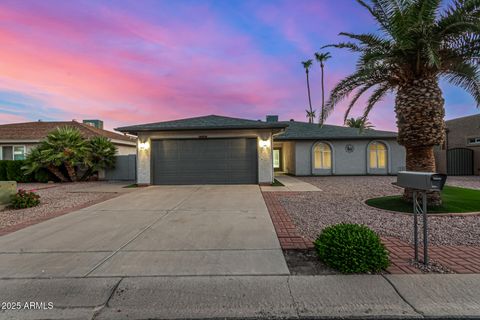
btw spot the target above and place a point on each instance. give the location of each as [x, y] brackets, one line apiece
[139, 61]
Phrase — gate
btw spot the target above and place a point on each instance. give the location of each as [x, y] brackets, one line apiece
[460, 162]
[125, 169]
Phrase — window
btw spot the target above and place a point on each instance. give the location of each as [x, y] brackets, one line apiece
[276, 158]
[475, 140]
[322, 156]
[19, 153]
[12, 153]
[378, 155]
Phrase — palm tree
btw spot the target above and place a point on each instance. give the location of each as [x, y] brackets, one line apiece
[64, 146]
[35, 161]
[100, 154]
[310, 113]
[419, 43]
[321, 58]
[359, 123]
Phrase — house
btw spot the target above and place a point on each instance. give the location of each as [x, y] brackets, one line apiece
[305, 149]
[222, 150]
[16, 139]
[460, 154]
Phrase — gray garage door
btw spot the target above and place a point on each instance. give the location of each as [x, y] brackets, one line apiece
[204, 161]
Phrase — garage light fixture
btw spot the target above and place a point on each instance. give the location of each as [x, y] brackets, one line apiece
[143, 146]
[264, 143]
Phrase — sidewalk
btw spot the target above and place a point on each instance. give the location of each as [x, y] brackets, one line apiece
[285, 297]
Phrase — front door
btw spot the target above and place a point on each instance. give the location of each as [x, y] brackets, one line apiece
[277, 159]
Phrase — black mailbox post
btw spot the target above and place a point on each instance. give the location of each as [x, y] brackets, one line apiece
[421, 182]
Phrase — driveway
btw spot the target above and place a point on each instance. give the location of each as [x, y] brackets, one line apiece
[156, 231]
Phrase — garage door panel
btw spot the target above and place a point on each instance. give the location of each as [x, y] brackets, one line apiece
[209, 161]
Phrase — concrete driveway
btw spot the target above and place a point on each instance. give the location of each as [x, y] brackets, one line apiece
[164, 230]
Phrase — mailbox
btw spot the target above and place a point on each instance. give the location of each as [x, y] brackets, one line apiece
[421, 180]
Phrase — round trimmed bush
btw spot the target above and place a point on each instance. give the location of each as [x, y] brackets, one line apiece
[351, 248]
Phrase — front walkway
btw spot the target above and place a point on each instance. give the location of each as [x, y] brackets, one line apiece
[290, 183]
[154, 231]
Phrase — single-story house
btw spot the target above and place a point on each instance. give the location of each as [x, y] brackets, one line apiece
[222, 150]
[16, 139]
[460, 153]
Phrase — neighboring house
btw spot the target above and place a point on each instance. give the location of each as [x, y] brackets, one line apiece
[16, 139]
[223, 150]
[460, 154]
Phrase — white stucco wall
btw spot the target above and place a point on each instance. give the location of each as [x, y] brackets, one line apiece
[143, 160]
[265, 158]
[265, 155]
[344, 163]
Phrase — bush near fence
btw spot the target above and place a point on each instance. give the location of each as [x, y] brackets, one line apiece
[11, 170]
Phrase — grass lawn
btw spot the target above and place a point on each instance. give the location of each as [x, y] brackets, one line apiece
[455, 200]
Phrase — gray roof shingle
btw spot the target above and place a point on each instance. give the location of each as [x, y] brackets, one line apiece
[307, 131]
[211, 122]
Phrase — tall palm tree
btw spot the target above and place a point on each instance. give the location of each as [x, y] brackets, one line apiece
[321, 58]
[310, 113]
[419, 43]
[64, 146]
[359, 123]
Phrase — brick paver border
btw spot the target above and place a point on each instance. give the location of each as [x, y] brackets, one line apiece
[459, 259]
[286, 230]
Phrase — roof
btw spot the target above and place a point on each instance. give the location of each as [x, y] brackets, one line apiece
[39, 130]
[470, 117]
[310, 131]
[211, 122]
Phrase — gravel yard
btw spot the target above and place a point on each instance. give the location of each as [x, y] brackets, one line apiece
[55, 199]
[342, 200]
[472, 182]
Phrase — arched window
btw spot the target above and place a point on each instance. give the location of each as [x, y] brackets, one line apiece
[378, 155]
[322, 156]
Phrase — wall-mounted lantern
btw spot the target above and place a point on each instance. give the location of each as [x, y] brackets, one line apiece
[264, 143]
[143, 145]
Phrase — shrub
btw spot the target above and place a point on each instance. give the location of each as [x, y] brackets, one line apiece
[3, 170]
[43, 175]
[351, 248]
[24, 199]
[11, 170]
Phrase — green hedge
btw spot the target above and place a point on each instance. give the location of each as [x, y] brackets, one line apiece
[3, 170]
[11, 170]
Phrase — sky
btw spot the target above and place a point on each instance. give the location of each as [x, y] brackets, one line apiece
[139, 61]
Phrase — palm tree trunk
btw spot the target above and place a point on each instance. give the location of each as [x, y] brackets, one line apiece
[57, 173]
[419, 107]
[71, 172]
[322, 116]
[310, 120]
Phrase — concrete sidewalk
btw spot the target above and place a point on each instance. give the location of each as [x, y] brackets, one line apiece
[259, 297]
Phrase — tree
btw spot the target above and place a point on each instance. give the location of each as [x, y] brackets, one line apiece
[419, 43]
[310, 113]
[359, 123]
[64, 146]
[36, 160]
[100, 155]
[321, 58]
